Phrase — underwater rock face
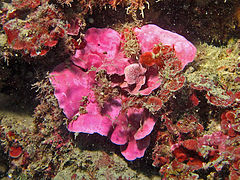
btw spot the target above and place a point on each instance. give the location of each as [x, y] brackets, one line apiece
[95, 104]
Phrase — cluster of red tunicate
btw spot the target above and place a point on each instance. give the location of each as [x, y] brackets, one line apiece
[188, 156]
[163, 60]
[221, 146]
[219, 91]
[187, 151]
[162, 153]
[189, 124]
[36, 34]
[175, 83]
[169, 66]
[162, 56]
[224, 98]
[178, 145]
[26, 3]
[182, 146]
[235, 167]
[15, 150]
[230, 122]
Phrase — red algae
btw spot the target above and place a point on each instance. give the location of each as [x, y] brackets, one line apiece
[15, 152]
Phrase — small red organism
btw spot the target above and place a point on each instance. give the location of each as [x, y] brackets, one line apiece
[159, 161]
[164, 94]
[160, 55]
[73, 27]
[156, 49]
[204, 84]
[195, 163]
[82, 45]
[169, 124]
[230, 115]
[236, 163]
[230, 122]
[237, 96]
[164, 51]
[190, 144]
[162, 154]
[176, 83]
[180, 154]
[174, 67]
[146, 59]
[15, 152]
[226, 99]
[189, 124]
[194, 100]
[159, 62]
[155, 102]
[11, 136]
[74, 177]
[213, 155]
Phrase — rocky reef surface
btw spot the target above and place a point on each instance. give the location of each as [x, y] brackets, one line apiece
[81, 78]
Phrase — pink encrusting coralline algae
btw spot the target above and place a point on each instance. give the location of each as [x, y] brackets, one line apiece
[102, 52]
[150, 35]
[77, 86]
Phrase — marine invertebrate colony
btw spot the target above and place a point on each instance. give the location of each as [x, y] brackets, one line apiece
[36, 34]
[94, 89]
